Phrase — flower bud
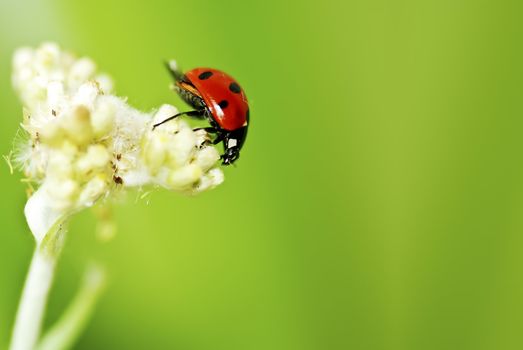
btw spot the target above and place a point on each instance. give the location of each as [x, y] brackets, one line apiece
[52, 135]
[81, 71]
[102, 119]
[183, 177]
[96, 158]
[60, 166]
[48, 55]
[181, 147]
[93, 190]
[155, 152]
[63, 192]
[207, 158]
[77, 125]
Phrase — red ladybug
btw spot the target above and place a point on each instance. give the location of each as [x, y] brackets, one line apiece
[217, 97]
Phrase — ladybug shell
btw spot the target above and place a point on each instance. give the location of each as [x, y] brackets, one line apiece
[222, 95]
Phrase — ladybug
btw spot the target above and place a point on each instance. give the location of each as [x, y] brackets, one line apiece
[217, 97]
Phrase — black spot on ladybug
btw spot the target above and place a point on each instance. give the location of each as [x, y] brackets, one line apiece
[205, 75]
[223, 104]
[248, 114]
[234, 87]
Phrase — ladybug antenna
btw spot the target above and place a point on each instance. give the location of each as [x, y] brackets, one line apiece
[172, 67]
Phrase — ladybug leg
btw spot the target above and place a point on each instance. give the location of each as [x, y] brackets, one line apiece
[219, 136]
[218, 139]
[198, 114]
[210, 130]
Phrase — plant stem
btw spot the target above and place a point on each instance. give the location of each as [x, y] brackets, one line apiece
[67, 329]
[49, 231]
[34, 299]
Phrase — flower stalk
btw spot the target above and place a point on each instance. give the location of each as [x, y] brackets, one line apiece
[39, 279]
[64, 333]
[33, 302]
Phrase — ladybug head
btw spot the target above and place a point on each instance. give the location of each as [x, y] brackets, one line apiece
[232, 143]
[230, 155]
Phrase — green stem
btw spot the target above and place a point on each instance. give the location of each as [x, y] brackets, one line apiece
[34, 298]
[65, 332]
[48, 229]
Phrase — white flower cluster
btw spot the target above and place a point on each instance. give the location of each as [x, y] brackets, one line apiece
[85, 142]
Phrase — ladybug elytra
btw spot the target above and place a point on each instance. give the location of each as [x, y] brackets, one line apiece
[217, 97]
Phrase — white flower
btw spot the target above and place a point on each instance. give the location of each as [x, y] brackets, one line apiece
[85, 142]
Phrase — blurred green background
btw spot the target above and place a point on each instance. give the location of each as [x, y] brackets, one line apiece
[378, 202]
